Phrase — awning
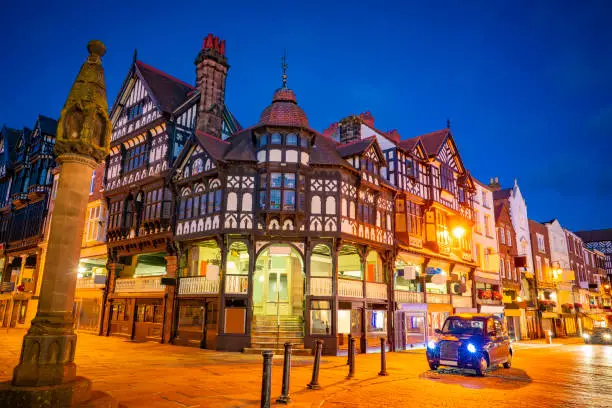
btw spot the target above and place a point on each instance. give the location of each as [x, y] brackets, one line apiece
[461, 269]
[491, 309]
[513, 312]
[439, 307]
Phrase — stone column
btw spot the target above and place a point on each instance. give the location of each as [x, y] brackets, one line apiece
[48, 348]
[46, 374]
[168, 324]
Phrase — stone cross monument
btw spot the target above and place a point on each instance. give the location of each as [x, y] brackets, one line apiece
[46, 366]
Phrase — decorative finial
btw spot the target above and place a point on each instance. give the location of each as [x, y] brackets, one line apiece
[284, 67]
[135, 57]
[96, 48]
[448, 123]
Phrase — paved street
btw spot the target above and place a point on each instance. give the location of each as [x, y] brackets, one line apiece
[153, 375]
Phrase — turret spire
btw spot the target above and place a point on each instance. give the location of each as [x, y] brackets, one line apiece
[284, 67]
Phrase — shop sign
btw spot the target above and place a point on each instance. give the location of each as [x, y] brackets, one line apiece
[434, 271]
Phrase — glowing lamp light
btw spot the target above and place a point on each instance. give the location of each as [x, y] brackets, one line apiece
[81, 269]
[519, 299]
[431, 344]
[471, 348]
[458, 232]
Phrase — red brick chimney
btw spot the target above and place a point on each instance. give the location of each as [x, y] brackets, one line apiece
[211, 72]
[494, 184]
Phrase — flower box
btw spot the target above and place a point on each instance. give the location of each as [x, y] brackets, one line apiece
[485, 294]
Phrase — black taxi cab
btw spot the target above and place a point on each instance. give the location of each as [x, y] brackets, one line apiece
[471, 341]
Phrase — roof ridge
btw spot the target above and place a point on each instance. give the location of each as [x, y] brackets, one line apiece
[352, 142]
[165, 74]
[202, 133]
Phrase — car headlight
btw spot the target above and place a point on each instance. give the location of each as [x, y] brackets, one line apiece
[431, 345]
[607, 336]
[586, 336]
[471, 348]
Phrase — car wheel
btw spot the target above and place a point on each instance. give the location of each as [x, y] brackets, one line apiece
[433, 366]
[481, 369]
[508, 363]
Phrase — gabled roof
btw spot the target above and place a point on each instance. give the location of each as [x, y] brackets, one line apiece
[355, 147]
[241, 148]
[214, 146]
[434, 141]
[167, 91]
[596, 235]
[47, 125]
[324, 152]
[502, 194]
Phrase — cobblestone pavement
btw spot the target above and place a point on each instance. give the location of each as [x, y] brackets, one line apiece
[565, 374]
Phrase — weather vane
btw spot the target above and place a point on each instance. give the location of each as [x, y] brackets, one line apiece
[284, 67]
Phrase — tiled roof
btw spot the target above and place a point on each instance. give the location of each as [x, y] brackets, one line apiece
[502, 194]
[47, 125]
[168, 91]
[433, 141]
[213, 145]
[284, 110]
[241, 148]
[355, 147]
[324, 152]
[409, 144]
[596, 235]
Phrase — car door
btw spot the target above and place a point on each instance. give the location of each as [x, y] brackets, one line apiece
[493, 342]
[502, 342]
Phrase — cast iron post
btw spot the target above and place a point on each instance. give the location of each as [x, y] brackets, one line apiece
[266, 379]
[314, 382]
[284, 398]
[383, 358]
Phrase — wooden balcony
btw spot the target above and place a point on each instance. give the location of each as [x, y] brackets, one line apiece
[438, 298]
[198, 285]
[408, 297]
[91, 283]
[139, 285]
[237, 284]
[350, 288]
[320, 286]
[376, 290]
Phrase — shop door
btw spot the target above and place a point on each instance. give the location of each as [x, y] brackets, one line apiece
[148, 319]
[414, 324]
[17, 304]
[76, 313]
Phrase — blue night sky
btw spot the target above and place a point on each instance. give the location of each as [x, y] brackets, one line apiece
[527, 84]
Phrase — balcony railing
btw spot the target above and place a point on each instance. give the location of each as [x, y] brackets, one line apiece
[408, 297]
[320, 286]
[376, 290]
[198, 285]
[237, 284]
[488, 301]
[350, 288]
[438, 298]
[462, 301]
[7, 287]
[139, 285]
[91, 283]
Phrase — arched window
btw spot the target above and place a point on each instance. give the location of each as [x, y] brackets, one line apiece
[330, 205]
[247, 202]
[374, 268]
[321, 261]
[232, 201]
[315, 205]
[204, 259]
[349, 263]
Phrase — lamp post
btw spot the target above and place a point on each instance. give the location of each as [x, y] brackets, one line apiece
[46, 372]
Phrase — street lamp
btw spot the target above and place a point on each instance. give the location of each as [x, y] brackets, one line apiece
[458, 232]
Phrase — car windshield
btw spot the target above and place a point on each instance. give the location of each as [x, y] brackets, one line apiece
[463, 326]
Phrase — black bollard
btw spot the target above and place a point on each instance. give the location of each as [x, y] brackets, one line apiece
[314, 382]
[266, 379]
[348, 355]
[351, 373]
[284, 398]
[383, 357]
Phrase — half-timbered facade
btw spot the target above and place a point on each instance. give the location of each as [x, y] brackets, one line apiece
[24, 212]
[152, 117]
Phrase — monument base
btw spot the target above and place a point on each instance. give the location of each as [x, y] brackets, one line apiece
[75, 393]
